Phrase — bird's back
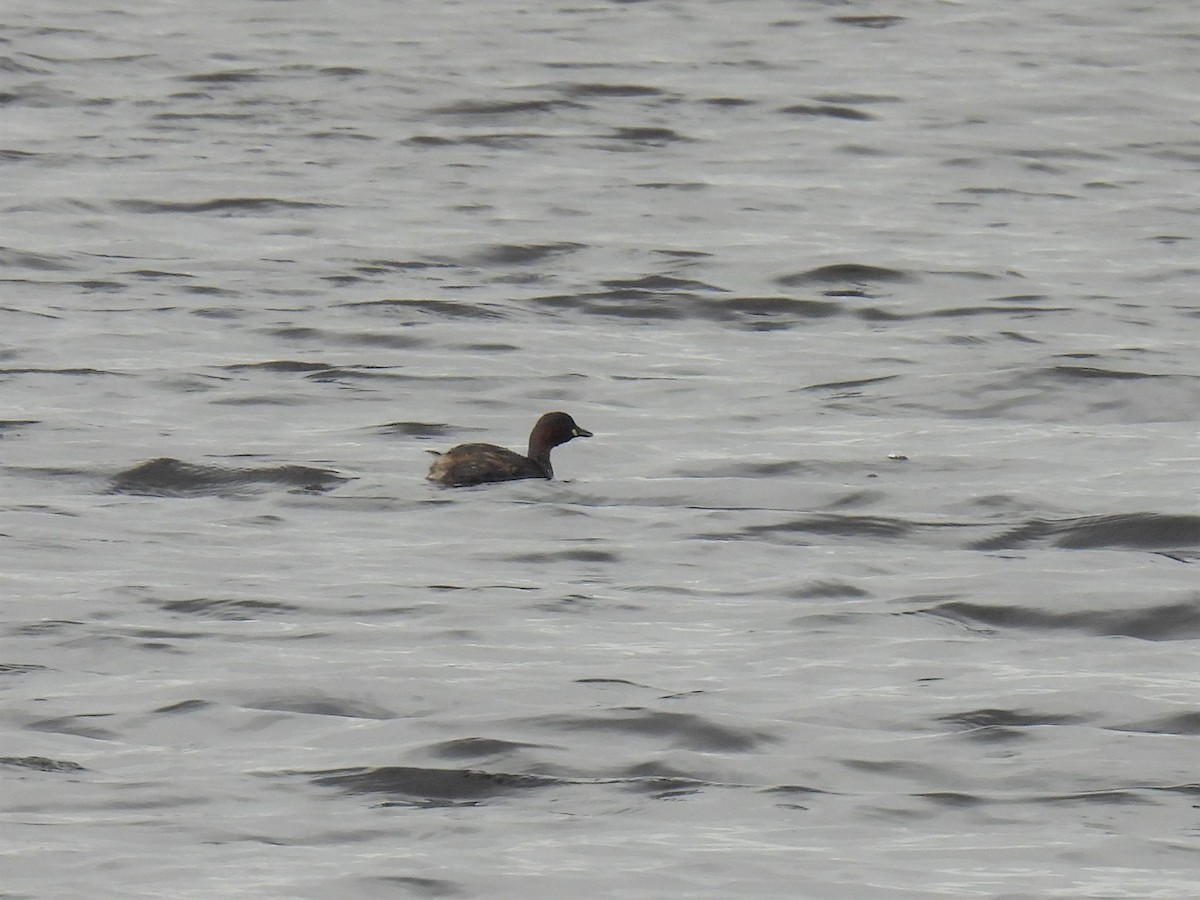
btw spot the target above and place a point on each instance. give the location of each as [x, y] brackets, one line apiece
[469, 464]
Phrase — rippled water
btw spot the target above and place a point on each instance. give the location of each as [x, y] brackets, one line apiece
[878, 579]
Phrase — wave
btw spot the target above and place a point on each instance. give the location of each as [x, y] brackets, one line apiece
[413, 785]
[41, 764]
[1166, 622]
[679, 730]
[168, 477]
[218, 205]
[1146, 531]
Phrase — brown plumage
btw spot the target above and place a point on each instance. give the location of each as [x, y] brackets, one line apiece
[469, 464]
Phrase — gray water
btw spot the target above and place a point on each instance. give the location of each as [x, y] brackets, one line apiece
[878, 578]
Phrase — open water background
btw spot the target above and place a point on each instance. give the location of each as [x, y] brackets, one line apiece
[741, 647]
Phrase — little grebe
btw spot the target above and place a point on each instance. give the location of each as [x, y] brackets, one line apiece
[469, 464]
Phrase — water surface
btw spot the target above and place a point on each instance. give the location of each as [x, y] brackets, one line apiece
[877, 580]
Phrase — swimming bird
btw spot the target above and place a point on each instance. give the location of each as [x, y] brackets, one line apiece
[469, 464]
